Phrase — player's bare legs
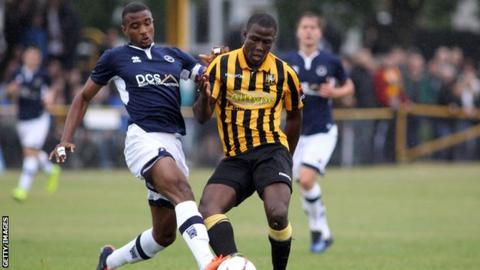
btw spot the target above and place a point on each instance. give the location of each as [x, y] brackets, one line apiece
[307, 177]
[33, 159]
[218, 199]
[29, 169]
[276, 198]
[164, 225]
[315, 209]
[148, 243]
[169, 181]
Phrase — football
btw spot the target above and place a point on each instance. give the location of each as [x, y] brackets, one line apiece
[236, 263]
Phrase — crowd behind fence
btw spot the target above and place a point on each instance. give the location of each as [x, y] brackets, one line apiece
[384, 83]
[362, 138]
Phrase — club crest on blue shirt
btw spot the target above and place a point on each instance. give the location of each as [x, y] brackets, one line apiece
[169, 59]
[321, 70]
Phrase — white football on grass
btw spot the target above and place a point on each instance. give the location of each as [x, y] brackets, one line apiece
[236, 263]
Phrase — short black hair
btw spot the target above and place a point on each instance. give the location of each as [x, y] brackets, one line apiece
[262, 19]
[133, 7]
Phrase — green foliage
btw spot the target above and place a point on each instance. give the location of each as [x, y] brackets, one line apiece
[347, 13]
[401, 217]
[437, 14]
[95, 13]
[99, 14]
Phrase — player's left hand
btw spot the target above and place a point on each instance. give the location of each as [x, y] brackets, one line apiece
[203, 86]
[206, 59]
[59, 153]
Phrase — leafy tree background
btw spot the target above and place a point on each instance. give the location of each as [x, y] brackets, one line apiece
[407, 17]
[419, 23]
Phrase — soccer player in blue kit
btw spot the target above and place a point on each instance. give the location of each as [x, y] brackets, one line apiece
[323, 78]
[147, 77]
[29, 88]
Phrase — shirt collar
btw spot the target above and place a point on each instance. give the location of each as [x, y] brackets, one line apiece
[266, 65]
[148, 51]
[311, 56]
[142, 49]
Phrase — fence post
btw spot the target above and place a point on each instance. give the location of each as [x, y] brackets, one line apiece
[401, 134]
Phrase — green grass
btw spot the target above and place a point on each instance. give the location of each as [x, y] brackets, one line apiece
[419, 216]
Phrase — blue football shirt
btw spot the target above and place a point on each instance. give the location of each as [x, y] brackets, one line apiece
[32, 87]
[320, 67]
[148, 81]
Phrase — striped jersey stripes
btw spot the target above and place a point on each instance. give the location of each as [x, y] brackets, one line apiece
[249, 101]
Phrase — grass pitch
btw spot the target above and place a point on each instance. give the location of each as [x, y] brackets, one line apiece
[417, 216]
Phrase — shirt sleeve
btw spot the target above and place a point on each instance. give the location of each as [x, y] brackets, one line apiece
[293, 95]
[190, 66]
[340, 73]
[103, 70]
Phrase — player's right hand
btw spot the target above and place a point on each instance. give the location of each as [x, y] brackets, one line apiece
[59, 153]
[203, 86]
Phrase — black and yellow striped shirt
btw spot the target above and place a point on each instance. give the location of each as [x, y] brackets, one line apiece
[249, 101]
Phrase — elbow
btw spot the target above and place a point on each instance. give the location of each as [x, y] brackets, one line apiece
[351, 87]
[201, 120]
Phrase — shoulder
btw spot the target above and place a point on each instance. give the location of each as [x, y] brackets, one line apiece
[109, 53]
[222, 59]
[284, 63]
[43, 73]
[289, 56]
[172, 51]
[328, 56]
[116, 50]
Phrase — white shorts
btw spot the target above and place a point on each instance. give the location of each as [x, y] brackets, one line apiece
[315, 151]
[33, 132]
[142, 149]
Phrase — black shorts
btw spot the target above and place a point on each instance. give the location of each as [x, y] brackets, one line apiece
[254, 170]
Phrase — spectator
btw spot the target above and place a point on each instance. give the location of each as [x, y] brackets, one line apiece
[36, 35]
[390, 92]
[467, 97]
[18, 17]
[362, 76]
[444, 127]
[63, 31]
[418, 89]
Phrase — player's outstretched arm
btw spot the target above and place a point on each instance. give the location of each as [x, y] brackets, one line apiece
[293, 125]
[206, 59]
[327, 90]
[74, 117]
[204, 104]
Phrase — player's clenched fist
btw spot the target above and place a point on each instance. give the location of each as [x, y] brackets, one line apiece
[59, 153]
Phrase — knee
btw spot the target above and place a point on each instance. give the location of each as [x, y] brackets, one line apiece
[176, 189]
[206, 208]
[277, 216]
[306, 184]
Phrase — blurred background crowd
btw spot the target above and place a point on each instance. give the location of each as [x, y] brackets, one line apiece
[396, 52]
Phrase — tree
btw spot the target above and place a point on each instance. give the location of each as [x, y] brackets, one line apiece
[396, 21]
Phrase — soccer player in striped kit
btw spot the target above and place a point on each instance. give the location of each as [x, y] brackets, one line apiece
[248, 89]
[323, 78]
